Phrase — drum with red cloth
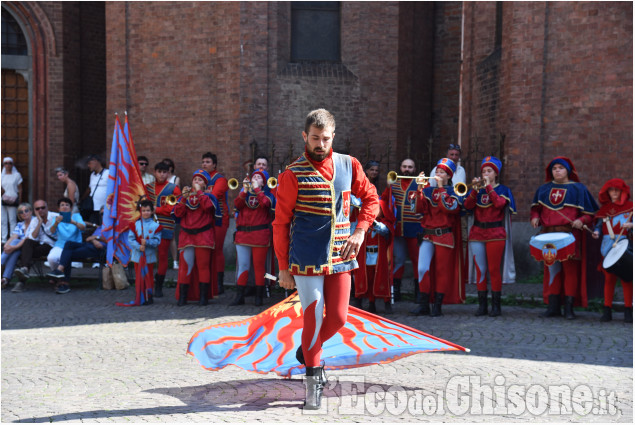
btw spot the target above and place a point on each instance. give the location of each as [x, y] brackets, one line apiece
[552, 247]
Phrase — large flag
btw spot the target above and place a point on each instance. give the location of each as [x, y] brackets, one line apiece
[268, 342]
[125, 189]
[144, 282]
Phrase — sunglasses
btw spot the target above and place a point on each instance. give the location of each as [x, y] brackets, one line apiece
[24, 211]
[454, 147]
[39, 208]
[143, 163]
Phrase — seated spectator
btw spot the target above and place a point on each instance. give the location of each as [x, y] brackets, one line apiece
[39, 242]
[71, 191]
[66, 227]
[13, 246]
[94, 247]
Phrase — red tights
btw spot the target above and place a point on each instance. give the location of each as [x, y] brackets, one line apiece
[609, 288]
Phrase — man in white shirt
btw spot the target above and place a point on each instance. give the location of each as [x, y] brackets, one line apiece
[454, 153]
[97, 188]
[143, 165]
[38, 244]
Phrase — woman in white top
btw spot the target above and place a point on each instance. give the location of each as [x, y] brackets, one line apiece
[11, 195]
[71, 191]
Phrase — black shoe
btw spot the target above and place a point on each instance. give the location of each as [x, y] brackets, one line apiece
[438, 302]
[63, 289]
[553, 308]
[260, 290]
[57, 274]
[183, 294]
[496, 304]
[158, 285]
[628, 314]
[607, 314]
[423, 309]
[387, 307]
[314, 388]
[371, 307]
[396, 290]
[203, 289]
[482, 303]
[568, 308]
[250, 291]
[240, 296]
[221, 287]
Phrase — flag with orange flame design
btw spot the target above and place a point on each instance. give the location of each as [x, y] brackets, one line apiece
[125, 189]
[268, 342]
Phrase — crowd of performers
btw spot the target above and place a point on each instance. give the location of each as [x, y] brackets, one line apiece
[419, 217]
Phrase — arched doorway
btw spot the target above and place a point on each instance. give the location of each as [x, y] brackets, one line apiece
[16, 69]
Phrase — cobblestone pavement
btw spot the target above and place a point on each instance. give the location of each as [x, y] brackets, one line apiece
[78, 357]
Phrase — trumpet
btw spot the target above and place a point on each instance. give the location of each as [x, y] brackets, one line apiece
[233, 184]
[462, 188]
[171, 200]
[392, 177]
[272, 182]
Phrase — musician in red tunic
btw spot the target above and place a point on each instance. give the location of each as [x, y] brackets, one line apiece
[440, 252]
[488, 237]
[198, 212]
[613, 224]
[158, 192]
[255, 205]
[563, 204]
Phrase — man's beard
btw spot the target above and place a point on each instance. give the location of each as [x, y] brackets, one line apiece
[318, 157]
[408, 173]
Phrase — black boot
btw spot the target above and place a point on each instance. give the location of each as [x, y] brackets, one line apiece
[438, 302]
[356, 302]
[396, 289]
[183, 294]
[299, 355]
[415, 284]
[314, 388]
[221, 287]
[628, 314]
[158, 285]
[568, 308]
[240, 296]
[423, 299]
[371, 307]
[260, 290]
[496, 304]
[482, 303]
[607, 314]
[387, 307]
[250, 291]
[203, 289]
[553, 308]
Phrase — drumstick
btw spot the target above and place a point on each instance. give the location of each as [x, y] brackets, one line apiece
[622, 230]
[584, 226]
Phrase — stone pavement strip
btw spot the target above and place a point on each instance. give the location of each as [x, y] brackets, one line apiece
[78, 357]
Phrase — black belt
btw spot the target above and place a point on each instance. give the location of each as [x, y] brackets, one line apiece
[488, 225]
[437, 232]
[253, 228]
[196, 231]
[372, 249]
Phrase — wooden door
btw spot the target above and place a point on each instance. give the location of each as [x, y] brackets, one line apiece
[15, 124]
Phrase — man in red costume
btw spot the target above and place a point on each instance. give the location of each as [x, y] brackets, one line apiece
[218, 187]
[312, 240]
[614, 222]
[158, 192]
[563, 204]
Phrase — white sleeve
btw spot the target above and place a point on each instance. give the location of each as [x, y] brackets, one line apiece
[433, 182]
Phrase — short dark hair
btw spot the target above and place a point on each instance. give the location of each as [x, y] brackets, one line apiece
[210, 155]
[66, 200]
[320, 118]
[142, 158]
[161, 166]
[169, 162]
[146, 203]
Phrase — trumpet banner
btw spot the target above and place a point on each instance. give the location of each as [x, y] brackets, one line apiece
[268, 342]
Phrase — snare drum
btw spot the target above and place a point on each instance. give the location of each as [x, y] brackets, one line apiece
[619, 261]
[552, 247]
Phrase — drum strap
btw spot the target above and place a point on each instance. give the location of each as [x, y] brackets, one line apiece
[607, 220]
[552, 229]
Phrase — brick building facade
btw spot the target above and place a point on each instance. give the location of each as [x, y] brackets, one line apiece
[523, 80]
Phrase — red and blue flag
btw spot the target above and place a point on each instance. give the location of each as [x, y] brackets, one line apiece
[268, 342]
[125, 188]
